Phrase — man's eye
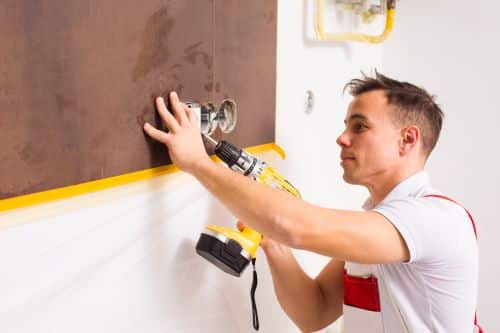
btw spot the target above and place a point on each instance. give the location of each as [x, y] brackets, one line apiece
[358, 127]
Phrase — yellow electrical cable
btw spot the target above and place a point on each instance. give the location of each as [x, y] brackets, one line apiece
[96, 185]
[337, 37]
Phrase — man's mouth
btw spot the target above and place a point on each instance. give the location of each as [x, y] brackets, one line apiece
[346, 158]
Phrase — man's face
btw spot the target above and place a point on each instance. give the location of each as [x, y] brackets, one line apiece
[370, 141]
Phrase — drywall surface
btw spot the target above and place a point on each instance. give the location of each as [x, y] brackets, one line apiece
[123, 260]
[449, 49]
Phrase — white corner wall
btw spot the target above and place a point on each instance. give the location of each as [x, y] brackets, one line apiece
[123, 260]
[451, 49]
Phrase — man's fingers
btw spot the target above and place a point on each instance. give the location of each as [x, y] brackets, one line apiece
[178, 108]
[156, 133]
[193, 118]
[166, 116]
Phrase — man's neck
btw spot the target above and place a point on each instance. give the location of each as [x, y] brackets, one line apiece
[384, 183]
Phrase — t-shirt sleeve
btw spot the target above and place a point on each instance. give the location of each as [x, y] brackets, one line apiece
[430, 229]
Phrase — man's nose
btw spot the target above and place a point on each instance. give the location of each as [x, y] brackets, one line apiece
[343, 140]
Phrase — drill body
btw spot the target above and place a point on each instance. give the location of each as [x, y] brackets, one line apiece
[250, 166]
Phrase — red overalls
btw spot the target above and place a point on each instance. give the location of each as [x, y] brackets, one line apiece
[361, 292]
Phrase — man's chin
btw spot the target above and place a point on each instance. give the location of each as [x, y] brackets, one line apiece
[350, 179]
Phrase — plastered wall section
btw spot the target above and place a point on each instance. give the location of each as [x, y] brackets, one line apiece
[459, 63]
[123, 259]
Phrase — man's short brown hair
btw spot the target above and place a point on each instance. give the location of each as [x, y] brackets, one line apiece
[413, 105]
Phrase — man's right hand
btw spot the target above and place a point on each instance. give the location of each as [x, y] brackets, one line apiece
[266, 243]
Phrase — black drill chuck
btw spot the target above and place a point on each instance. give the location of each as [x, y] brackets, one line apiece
[228, 153]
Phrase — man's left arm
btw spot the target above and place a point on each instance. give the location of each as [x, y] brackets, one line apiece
[364, 237]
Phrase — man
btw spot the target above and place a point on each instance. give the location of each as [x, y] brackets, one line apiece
[408, 263]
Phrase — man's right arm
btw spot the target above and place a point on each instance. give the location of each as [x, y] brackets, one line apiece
[312, 304]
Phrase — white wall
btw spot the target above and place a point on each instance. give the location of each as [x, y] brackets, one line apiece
[451, 49]
[123, 260]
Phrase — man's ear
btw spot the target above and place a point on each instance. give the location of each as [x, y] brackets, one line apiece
[409, 138]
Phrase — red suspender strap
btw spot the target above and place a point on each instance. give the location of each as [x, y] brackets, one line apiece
[480, 329]
[361, 292]
[449, 199]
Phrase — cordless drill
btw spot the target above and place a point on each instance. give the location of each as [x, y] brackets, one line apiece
[232, 250]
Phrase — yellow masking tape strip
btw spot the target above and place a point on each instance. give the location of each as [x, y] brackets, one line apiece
[96, 185]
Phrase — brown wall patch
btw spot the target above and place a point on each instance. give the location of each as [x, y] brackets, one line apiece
[78, 80]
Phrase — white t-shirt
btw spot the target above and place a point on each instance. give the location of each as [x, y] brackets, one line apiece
[436, 290]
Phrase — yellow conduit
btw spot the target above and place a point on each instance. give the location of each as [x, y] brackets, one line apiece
[337, 37]
[96, 185]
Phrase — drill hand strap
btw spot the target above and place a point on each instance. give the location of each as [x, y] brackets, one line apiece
[255, 315]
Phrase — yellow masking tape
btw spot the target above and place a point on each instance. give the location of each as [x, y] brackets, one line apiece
[96, 185]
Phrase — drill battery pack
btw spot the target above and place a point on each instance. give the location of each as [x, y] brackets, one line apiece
[223, 252]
